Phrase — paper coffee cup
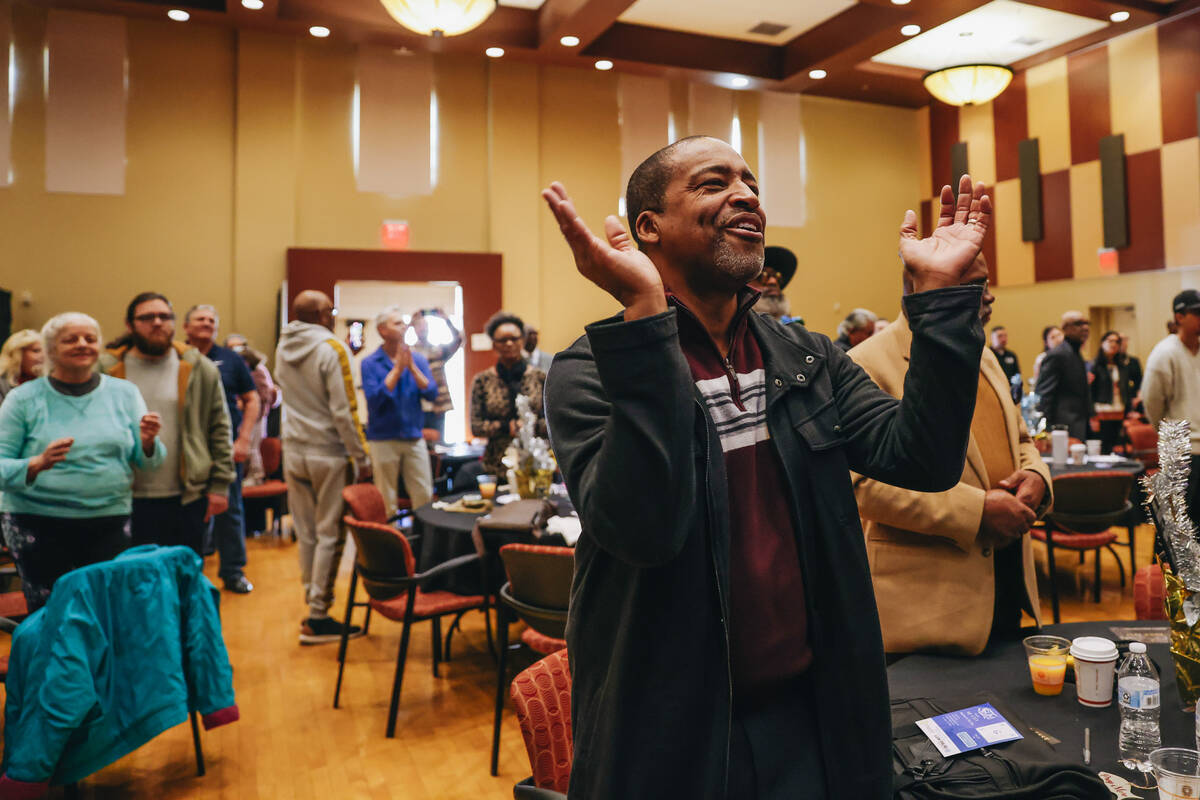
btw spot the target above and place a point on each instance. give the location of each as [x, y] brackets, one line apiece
[1078, 451]
[1093, 447]
[1095, 665]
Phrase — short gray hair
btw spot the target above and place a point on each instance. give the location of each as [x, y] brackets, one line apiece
[387, 313]
[857, 320]
[54, 328]
[202, 307]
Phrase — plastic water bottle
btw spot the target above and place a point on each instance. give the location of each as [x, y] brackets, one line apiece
[1138, 694]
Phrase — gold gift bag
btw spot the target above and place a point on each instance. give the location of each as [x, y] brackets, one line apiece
[1185, 638]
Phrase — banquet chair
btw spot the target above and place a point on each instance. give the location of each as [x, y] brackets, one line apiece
[12, 610]
[272, 492]
[538, 593]
[1142, 443]
[542, 697]
[1148, 593]
[385, 564]
[1086, 506]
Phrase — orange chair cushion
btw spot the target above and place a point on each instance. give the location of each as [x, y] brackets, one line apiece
[542, 697]
[366, 502]
[12, 605]
[264, 489]
[427, 605]
[1148, 593]
[541, 643]
[1076, 541]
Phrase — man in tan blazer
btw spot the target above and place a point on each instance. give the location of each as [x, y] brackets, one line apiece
[953, 568]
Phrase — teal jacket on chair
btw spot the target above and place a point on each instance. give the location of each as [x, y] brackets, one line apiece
[123, 650]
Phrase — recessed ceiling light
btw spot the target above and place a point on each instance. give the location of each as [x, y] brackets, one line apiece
[179, 15]
[911, 30]
[494, 52]
[740, 83]
[319, 31]
[604, 64]
[253, 5]
[1119, 16]
[900, 2]
[817, 74]
[569, 41]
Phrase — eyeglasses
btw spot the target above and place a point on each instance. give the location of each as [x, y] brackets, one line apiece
[506, 340]
[1079, 323]
[166, 316]
[769, 274]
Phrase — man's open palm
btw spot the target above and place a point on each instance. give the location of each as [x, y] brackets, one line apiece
[947, 257]
[616, 265]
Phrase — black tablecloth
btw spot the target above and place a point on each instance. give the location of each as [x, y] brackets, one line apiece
[1003, 671]
[1124, 465]
[447, 534]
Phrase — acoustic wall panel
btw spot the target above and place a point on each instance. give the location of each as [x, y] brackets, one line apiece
[1089, 114]
[1135, 96]
[394, 137]
[1014, 256]
[1087, 226]
[1029, 163]
[1112, 189]
[85, 103]
[710, 111]
[1010, 117]
[976, 128]
[1179, 75]
[1049, 122]
[1052, 256]
[6, 94]
[1143, 174]
[943, 133]
[1181, 202]
[781, 168]
[645, 109]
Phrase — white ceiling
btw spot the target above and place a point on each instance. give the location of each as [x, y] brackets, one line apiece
[1000, 32]
[733, 20]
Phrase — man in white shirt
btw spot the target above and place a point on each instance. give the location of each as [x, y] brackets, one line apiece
[1171, 386]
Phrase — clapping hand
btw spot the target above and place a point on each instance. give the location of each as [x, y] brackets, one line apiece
[947, 257]
[403, 358]
[54, 453]
[148, 428]
[616, 265]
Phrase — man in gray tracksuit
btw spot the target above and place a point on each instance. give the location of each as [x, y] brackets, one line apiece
[323, 446]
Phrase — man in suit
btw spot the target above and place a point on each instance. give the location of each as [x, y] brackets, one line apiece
[965, 551]
[1063, 379]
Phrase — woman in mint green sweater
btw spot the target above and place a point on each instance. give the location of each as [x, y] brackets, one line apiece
[69, 443]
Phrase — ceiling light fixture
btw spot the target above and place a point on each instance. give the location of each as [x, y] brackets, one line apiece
[900, 2]
[604, 64]
[569, 41]
[319, 31]
[1119, 16]
[179, 15]
[968, 84]
[253, 5]
[740, 82]
[440, 17]
[494, 52]
[911, 30]
[817, 74]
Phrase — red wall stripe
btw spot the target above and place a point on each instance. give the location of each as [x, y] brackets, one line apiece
[1010, 125]
[1087, 92]
[1052, 255]
[943, 134]
[1143, 187]
[1179, 76]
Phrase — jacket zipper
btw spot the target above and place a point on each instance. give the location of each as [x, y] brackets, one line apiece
[720, 594]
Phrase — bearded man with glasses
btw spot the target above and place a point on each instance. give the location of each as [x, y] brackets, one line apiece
[173, 504]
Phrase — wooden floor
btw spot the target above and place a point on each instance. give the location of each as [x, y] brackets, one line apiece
[291, 743]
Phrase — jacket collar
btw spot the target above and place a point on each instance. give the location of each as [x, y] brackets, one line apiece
[790, 361]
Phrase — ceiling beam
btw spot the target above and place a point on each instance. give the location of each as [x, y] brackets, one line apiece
[688, 50]
[586, 19]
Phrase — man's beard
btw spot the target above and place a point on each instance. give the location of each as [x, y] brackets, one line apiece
[776, 306]
[148, 347]
[738, 265]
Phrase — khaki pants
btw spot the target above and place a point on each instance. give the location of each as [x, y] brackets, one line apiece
[315, 486]
[392, 458]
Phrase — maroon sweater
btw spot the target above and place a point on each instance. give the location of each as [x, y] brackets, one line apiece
[768, 624]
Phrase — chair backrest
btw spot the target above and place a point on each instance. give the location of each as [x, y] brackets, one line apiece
[542, 697]
[1092, 493]
[539, 575]
[271, 450]
[383, 557]
[1143, 440]
[1148, 592]
[365, 502]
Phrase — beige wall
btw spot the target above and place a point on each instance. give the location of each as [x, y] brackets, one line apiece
[239, 147]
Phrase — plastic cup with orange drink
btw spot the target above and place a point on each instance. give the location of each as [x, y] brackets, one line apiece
[1047, 656]
[487, 486]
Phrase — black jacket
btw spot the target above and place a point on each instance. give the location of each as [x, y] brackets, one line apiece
[1066, 398]
[647, 633]
[1102, 386]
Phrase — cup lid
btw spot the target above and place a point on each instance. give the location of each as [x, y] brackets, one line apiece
[1093, 648]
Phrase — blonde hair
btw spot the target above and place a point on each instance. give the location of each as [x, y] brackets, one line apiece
[52, 329]
[13, 351]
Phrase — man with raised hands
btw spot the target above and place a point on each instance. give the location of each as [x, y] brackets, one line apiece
[723, 634]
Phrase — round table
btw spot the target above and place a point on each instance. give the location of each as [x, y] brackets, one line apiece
[1129, 465]
[446, 535]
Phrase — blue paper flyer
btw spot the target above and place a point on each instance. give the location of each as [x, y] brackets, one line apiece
[968, 729]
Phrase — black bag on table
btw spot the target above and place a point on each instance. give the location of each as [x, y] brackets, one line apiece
[1027, 769]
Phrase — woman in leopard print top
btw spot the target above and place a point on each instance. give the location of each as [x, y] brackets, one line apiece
[493, 391]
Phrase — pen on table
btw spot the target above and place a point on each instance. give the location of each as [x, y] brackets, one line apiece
[1087, 747]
